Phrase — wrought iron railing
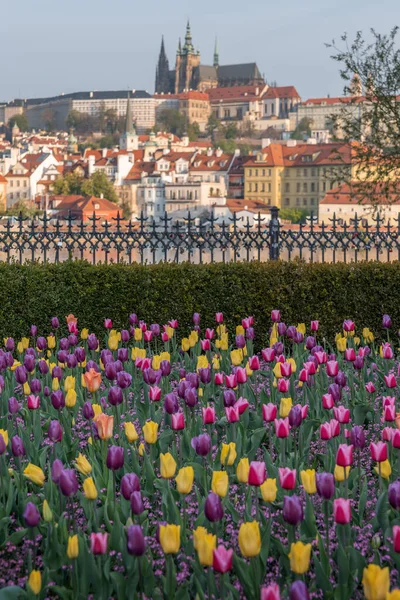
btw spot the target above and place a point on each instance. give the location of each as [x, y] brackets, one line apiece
[47, 239]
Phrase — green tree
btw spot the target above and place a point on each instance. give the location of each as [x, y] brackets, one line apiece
[213, 125]
[303, 129]
[173, 121]
[20, 120]
[230, 131]
[73, 119]
[20, 207]
[294, 215]
[98, 185]
[107, 141]
[70, 184]
[193, 131]
[228, 146]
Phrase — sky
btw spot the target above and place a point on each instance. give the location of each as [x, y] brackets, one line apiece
[54, 46]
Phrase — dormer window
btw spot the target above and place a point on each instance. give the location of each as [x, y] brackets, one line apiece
[210, 163]
[97, 206]
[223, 163]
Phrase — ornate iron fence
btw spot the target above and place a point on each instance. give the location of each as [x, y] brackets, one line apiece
[47, 239]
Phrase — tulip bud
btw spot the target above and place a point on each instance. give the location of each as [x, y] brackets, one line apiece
[292, 510]
[136, 500]
[213, 508]
[135, 542]
[129, 483]
[31, 515]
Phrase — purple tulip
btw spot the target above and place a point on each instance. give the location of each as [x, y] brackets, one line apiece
[3, 446]
[46, 391]
[292, 510]
[33, 330]
[80, 354]
[115, 396]
[118, 366]
[43, 367]
[240, 341]
[325, 483]
[10, 345]
[106, 356]
[92, 342]
[205, 375]
[56, 468]
[171, 404]
[35, 386]
[135, 542]
[298, 591]
[394, 494]
[13, 405]
[130, 483]
[298, 338]
[57, 399]
[62, 356]
[386, 322]
[72, 361]
[358, 364]
[341, 379]
[133, 319]
[57, 372]
[17, 446]
[182, 387]
[150, 376]
[72, 339]
[282, 329]
[182, 375]
[202, 444]
[123, 354]
[55, 431]
[279, 348]
[64, 344]
[125, 336]
[68, 482]
[136, 500]
[9, 359]
[91, 364]
[250, 333]
[357, 437]
[115, 458]
[55, 323]
[155, 329]
[110, 371]
[291, 332]
[310, 342]
[335, 391]
[124, 379]
[191, 398]
[31, 515]
[295, 416]
[87, 410]
[194, 380]
[41, 343]
[213, 508]
[29, 362]
[21, 376]
[229, 398]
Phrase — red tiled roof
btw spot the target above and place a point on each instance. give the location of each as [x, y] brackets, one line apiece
[235, 93]
[239, 204]
[303, 155]
[328, 101]
[343, 194]
[2, 179]
[135, 174]
[288, 91]
[193, 95]
[202, 162]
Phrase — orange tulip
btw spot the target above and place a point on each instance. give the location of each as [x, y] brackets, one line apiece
[105, 426]
[92, 380]
[71, 319]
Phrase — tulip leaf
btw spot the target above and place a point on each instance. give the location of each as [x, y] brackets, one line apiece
[149, 474]
[308, 526]
[362, 504]
[16, 537]
[360, 412]
[12, 592]
[244, 575]
[265, 540]
[322, 577]
[256, 441]
[381, 520]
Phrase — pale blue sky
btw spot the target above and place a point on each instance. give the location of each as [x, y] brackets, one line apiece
[54, 46]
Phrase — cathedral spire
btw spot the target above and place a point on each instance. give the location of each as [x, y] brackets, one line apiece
[188, 47]
[162, 71]
[179, 51]
[216, 55]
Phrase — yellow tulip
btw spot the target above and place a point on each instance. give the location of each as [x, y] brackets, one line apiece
[215, 363]
[293, 363]
[341, 344]
[73, 546]
[367, 335]
[340, 474]
[220, 483]
[200, 392]
[83, 465]
[138, 353]
[269, 490]
[393, 595]
[27, 389]
[308, 480]
[185, 344]
[34, 474]
[301, 328]
[4, 434]
[277, 370]
[205, 549]
[20, 348]
[284, 407]
[357, 341]
[35, 581]
[156, 362]
[69, 383]
[167, 466]
[228, 454]
[47, 512]
[97, 410]
[51, 342]
[15, 364]
[130, 432]
[236, 357]
[376, 582]
[198, 534]
[89, 489]
[250, 539]
[150, 431]
[170, 538]
[25, 343]
[165, 356]
[55, 385]
[141, 449]
[240, 330]
[170, 332]
[385, 469]
[299, 557]
[184, 480]
[221, 329]
[84, 333]
[193, 338]
[113, 342]
[138, 334]
[242, 470]
[202, 362]
[70, 398]
[222, 344]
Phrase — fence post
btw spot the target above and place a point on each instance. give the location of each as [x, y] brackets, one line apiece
[274, 227]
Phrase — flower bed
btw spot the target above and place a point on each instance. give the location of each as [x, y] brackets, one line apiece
[134, 466]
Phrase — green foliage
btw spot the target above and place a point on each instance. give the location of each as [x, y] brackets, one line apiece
[20, 120]
[96, 185]
[20, 208]
[294, 215]
[228, 146]
[73, 119]
[213, 125]
[173, 121]
[193, 131]
[303, 129]
[330, 293]
[230, 131]
[70, 184]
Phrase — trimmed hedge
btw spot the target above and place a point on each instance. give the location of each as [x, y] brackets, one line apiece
[330, 293]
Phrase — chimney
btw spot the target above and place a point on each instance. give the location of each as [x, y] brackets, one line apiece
[104, 152]
[102, 195]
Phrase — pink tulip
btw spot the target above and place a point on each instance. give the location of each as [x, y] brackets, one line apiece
[283, 385]
[395, 437]
[286, 369]
[310, 367]
[205, 345]
[269, 412]
[33, 402]
[341, 511]
[378, 451]
[389, 413]
[314, 325]
[219, 317]
[390, 380]
[344, 456]
[387, 351]
[348, 325]
[232, 414]
[219, 378]
[164, 336]
[370, 387]
[143, 326]
[241, 374]
[350, 354]
[208, 415]
[173, 323]
[268, 354]
[396, 538]
[210, 333]
[287, 478]
[387, 434]
[362, 351]
[275, 316]
[328, 401]
[98, 543]
[304, 411]
[325, 432]
[145, 364]
[222, 559]
[388, 401]
[332, 368]
[257, 473]
[148, 336]
[155, 394]
[270, 592]
[178, 421]
[242, 404]
[246, 323]
[231, 381]
[254, 363]
[335, 427]
[304, 376]
[342, 414]
[281, 427]
[322, 357]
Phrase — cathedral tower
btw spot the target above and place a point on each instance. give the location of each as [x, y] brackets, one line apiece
[162, 72]
[187, 61]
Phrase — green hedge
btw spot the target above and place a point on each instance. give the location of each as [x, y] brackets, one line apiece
[34, 293]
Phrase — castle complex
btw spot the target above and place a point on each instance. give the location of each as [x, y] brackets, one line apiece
[189, 74]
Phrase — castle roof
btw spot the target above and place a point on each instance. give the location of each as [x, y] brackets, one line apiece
[242, 71]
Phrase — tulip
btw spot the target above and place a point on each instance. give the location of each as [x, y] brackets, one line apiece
[327, 401]
[31, 515]
[281, 428]
[242, 470]
[89, 489]
[390, 380]
[344, 456]
[231, 381]
[386, 322]
[73, 547]
[342, 414]
[299, 557]
[292, 510]
[396, 438]
[378, 451]
[387, 351]
[383, 469]
[171, 404]
[269, 412]
[35, 582]
[170, 538]
[220, 483]
[55, 431]
[17, 446]
[298, 591]
[201, 444]
[13, 405]
[376, 582]
[269, 490]
[250, 539]
[257, 473]
[165, 368]
[129, 483]
[130, 432]
[396, 538]
[232, 414]
[222, 559]
[325, 485]
[287, 478]
[135, 541]
[275, 315]
[105, 426]
[178, 421]
[205, 548]
[68, 482]
[92, 380]
[34, 474]
[296, 416]
[57, 399]
[228, 454]
[198, 533]
[167, 466]
[357, 437]
[283, 385]
[394, 494]
[219, 378]
[341, 511]
[341, 473]
[184, 480]
[208, 415]
[242, 405]
[56, 469]
[98, 543]
[308, 479]
[136, 501]
[387, 434]
[268, 354]
[285, 407]
[88, 411]
[150, 432]
[270, 592]
[115, 458]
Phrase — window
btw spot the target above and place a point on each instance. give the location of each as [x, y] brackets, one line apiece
[297, 201]
[324, 186]
[269, 187]
[11, 196]
[287, 187]
[312, 201]
[269, 172]
[313, 187]
[250, 172]
[304, 201]
[287, 201]
[298, 172]
[11, 183]
[263, 172]
[249, 189]
[96, 206]
[313, 172]
[263, 187]
[305, 187]
[18, 182]
[298, 187]
[256, 187]
[305, 172]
